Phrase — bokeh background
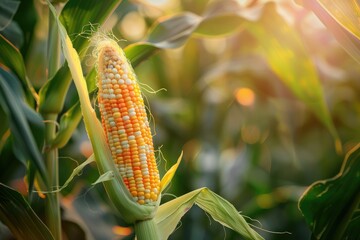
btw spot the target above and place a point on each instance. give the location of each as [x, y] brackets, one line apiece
[244, 133]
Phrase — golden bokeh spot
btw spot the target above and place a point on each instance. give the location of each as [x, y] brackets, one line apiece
[86, 148]
[245, 96]
[122, 231]
[133, 26]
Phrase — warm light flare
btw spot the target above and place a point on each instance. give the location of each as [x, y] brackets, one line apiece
[245, 96]
[121, 231]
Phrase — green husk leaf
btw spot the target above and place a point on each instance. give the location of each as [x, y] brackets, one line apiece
[331, 207]
[170, 213]
[19, 217]
[170, 174]
[109, 175]
[117, 191]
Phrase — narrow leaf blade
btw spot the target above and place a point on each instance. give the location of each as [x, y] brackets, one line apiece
[288, 58]
[17, 214]
[341, 18]
[19, 126]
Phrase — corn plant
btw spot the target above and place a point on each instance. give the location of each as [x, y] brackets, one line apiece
[39, 123]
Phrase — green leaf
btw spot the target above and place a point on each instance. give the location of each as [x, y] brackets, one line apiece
[173, 31]
[12, 58]
[138, 52]
[287, 57]
[218, 26]
[83, 17]
[342, 19]
[18, 216]
[331, 207]
[79, 18]
[68, 124]
[170, 213]
[24, 139]
[71, 118]
[8, 9]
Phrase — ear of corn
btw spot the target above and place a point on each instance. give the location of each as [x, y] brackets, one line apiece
[126, 124]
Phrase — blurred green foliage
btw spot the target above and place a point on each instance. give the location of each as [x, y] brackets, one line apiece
[258, 94]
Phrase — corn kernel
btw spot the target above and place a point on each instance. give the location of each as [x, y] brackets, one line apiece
[126, 125]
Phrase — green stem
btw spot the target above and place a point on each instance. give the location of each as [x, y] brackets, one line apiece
[146, 230]
[52, 203]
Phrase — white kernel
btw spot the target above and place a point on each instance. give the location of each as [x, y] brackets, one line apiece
[118, 151]
[128, 81]
[137, 133]
[132, 137]
[121, 131]
[125, 118]
[121, 81]
[112, 95]
[124, 76]
[113, 81]
[114, 70]
[112, 123]
[117, 76]
[111, 75]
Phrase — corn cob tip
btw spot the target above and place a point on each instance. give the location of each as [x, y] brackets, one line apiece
[126, 125]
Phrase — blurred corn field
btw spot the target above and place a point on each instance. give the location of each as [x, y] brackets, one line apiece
[262, 97]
